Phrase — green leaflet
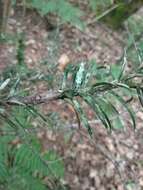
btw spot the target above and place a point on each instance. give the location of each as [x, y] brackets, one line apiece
[123, 65]
[111, 112]
[101, 87]
[4, 84]
[90, 72]
[105, 117]
[140, 95]
[122, 85]
[107, 86]
[77, 74]
[101, 114]
[14, 88]
[82, 116]
[115, 71]
[80, 75]
[122, 101]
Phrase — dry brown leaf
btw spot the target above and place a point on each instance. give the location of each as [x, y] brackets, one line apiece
[63, 61]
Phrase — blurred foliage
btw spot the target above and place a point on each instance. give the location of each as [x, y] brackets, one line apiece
[23, 166]
[62, 8]
[114, 13]
[134, 40]
[109, 11]
[100, 6]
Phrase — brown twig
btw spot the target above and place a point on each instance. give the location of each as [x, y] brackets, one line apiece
[34, 99]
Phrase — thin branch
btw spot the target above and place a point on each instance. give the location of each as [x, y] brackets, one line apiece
[34, 99]
[48, 96]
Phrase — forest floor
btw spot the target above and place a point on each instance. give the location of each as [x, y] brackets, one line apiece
[108, 160]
